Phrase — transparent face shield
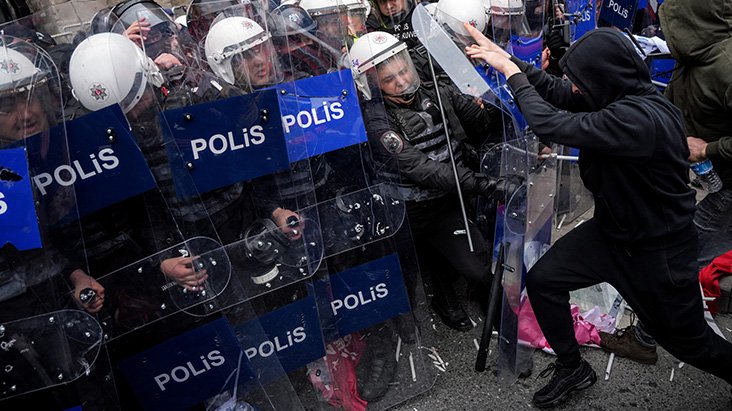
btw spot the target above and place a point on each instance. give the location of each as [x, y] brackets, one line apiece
[356, 21]
[396, 76]
[253, 62]
[507, 20]
[294, 34]
[393, 12]
[332, 29]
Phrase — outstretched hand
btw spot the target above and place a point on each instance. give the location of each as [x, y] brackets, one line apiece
[490, 53]
[484, 42]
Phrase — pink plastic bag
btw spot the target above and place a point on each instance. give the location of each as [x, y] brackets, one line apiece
[584, 331]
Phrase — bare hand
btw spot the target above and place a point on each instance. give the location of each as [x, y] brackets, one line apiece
[697, 149]
[545, 55]
[138, 30]
[81, 281]
[495, 59]
[180, 270]
[293, 231]
[166, 61]
[484, 42]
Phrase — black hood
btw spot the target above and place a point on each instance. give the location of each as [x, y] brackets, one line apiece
[605, 66]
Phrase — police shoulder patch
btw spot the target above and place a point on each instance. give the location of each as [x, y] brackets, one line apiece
[392, 142]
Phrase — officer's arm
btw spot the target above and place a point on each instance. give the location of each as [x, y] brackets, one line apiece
[478, 119]
[623, 128]
[418, 167]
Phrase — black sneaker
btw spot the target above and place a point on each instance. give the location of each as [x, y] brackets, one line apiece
[563, 382]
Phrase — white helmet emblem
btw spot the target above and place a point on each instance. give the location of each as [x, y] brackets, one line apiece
[9, 66]
[98, 91]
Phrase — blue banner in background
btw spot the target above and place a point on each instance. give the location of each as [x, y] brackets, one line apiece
[187, 369]
[365, 295]
[619, 13]
[292, 335]
[224, 142]
[18, 220]
[662, 68]
[321, 114]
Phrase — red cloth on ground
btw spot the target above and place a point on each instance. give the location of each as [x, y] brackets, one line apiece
[335, 374]
[709, 277]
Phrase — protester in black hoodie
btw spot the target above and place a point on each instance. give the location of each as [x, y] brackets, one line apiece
[642, 239]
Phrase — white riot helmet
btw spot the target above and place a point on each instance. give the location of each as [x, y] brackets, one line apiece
[338, 17]
[379, 58]
[504, 7]
[507, 17]
[108, 68]
[17, 71]
[240, 51]
[451, 14]
[25, 71]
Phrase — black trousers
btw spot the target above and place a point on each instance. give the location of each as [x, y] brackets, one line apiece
[434, 224]
[661, 285]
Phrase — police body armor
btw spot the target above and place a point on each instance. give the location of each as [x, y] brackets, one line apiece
[424, 129]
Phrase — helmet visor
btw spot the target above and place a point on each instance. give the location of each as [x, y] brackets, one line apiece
[396, 76]
[257, 66]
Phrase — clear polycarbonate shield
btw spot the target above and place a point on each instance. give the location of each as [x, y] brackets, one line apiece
[156, 244]
[45, 350]
[573, 199]
[526, 214]
[527, 233]
[47, 339]
[523, 226]
[226, 136]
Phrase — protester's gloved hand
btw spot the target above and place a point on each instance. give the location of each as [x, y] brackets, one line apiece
[556, 43]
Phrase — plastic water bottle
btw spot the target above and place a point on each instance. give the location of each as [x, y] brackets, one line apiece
[706, 176]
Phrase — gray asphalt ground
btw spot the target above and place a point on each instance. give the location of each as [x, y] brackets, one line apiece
[631, 386]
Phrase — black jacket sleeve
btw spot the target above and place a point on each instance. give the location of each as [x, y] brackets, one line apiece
[620, 129]
[555, 90]
[478, 122]
[418, 167]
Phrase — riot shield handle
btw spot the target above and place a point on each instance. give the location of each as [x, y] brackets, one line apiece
[494, 299]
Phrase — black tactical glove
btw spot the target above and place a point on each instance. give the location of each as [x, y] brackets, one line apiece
[500, 189]
[507, 186]
[556, 43]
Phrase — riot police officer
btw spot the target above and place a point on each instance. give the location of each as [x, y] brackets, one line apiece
[414, 134]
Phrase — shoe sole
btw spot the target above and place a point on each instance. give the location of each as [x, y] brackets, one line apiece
[582, 386]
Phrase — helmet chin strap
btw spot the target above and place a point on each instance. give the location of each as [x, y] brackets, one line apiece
[403, 100]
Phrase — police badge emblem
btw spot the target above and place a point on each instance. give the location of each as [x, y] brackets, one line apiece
[392, 142]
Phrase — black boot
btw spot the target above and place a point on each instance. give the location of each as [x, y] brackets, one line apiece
[563, 382]
[406, 327]
[447, 306]
[377, 367]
